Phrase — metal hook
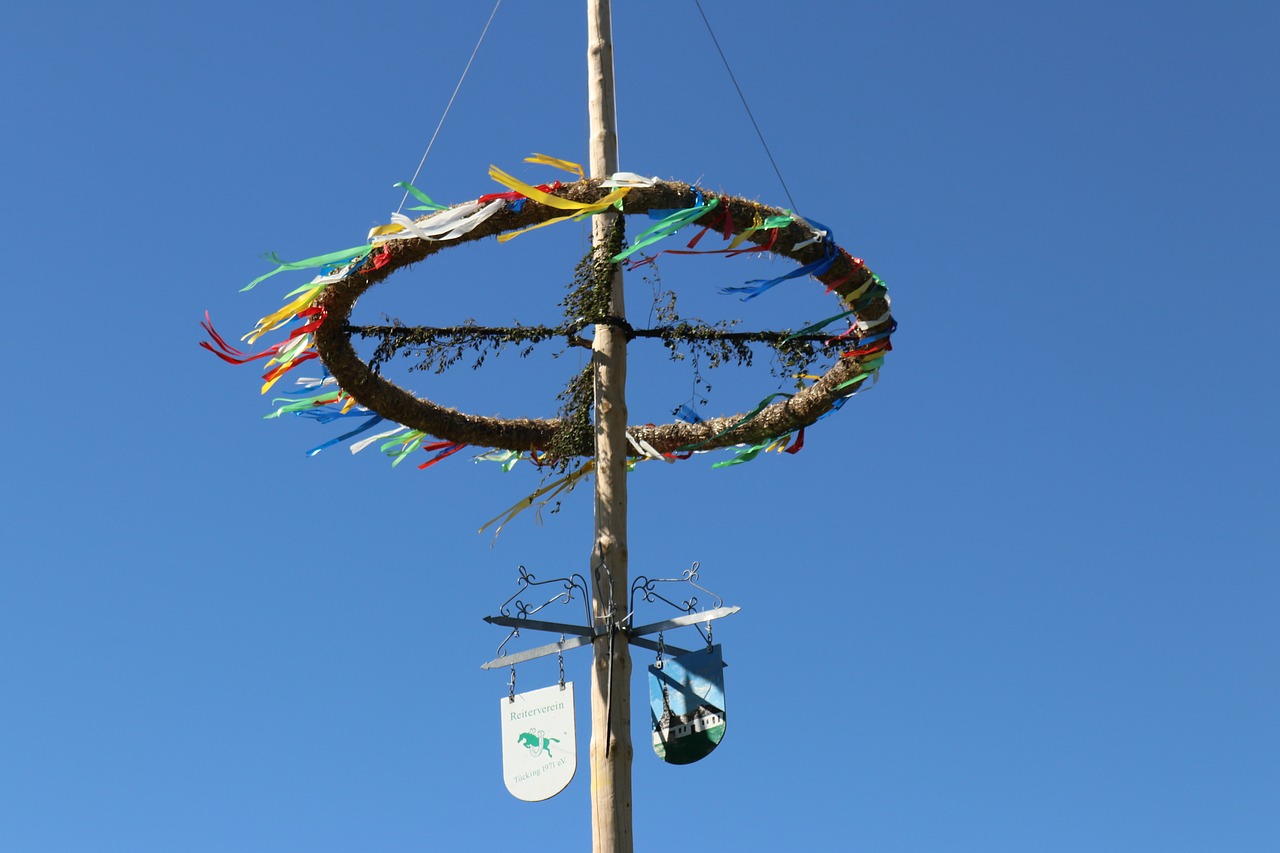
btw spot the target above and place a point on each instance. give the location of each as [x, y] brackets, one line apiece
[511, 694]
[515, 632]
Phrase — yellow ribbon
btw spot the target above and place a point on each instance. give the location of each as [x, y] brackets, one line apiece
[284, 315]
[742, 238]
[287, 355]
[850, 298]
[383, 230]
[579, 208]
[780, 444]
[551, 489]
[544, 160]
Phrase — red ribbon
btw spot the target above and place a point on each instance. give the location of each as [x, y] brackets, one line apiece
[879, 346]
[730, 253]
[282, 369]
[314, 311]
[857, 265]
[446, 448]
[230, 354]
[513, 195]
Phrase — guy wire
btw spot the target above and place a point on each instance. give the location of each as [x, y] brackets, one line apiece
[450, 104]
[723, 59]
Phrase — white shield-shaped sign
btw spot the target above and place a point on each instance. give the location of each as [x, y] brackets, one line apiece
[686, 705]
[539, 742]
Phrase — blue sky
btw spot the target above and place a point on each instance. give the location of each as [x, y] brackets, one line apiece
[1019, 596]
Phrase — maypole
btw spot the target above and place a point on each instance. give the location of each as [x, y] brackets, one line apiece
[611, 749]
[611, 671]
[686, 687]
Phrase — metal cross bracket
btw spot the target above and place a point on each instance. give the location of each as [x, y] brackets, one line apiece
[574, 636]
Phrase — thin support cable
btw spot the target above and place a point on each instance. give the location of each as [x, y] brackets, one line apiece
[723, 59]
[450, 104]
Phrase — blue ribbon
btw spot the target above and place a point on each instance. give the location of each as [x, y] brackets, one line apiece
[374, 421]
[688, 415]
[761, 285]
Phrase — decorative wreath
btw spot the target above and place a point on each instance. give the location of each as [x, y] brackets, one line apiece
[319, 314]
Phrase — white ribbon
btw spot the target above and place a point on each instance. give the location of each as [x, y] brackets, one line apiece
[361, 445]
[445, 225]
[646, 449]
[506, 458]
[628, 179]
[817, 237]
[316, 381]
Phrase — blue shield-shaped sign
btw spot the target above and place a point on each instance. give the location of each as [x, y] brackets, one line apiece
[686, 705]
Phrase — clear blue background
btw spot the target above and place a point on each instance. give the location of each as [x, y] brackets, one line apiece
[1020, 596]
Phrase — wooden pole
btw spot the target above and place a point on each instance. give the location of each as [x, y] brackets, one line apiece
[611, 750]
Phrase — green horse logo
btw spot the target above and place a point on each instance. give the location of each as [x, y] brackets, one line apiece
[537, 742]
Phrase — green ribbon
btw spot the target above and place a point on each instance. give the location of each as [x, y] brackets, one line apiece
[309, 263]
[749, 416]
[868, 368]
[821, 324]
[303, 404]
[665, 228]
[427, 203]
[410, 442]
[746, 455]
